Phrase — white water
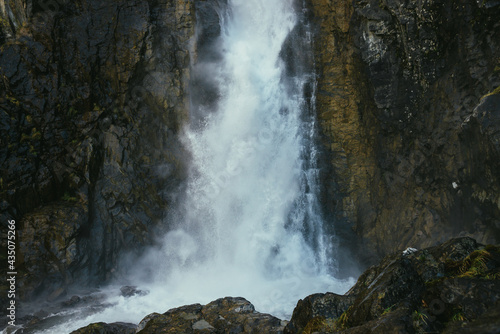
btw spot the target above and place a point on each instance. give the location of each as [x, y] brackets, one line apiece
[250, 224]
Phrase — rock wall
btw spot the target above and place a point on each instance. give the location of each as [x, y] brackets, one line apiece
[409, 113]
[92, 95]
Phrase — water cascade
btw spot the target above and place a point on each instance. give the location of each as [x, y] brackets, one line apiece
[249, 223]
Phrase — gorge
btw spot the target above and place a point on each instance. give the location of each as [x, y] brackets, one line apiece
[266, 147]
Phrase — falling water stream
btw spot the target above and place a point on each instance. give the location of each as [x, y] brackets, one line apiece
[250, 223]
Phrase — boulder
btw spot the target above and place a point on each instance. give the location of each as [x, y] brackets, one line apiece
[452, 288]
[225, 315]
[104, 328]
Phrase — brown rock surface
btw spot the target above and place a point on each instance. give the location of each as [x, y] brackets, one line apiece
[398, 86]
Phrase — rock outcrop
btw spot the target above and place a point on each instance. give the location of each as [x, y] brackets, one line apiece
[225, 315]
[104, 328]
[450, 288]
[405, 113]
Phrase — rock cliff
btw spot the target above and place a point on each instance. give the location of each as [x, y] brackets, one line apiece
[92, 95]
[409, 113]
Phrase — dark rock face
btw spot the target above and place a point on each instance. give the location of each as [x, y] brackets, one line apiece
[452, 288]
[103, 328]
[225, 315]
[317, 306]
[413, 144]
[92, 95]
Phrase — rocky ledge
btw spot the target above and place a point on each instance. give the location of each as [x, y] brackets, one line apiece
[225, 315]
[450, 288]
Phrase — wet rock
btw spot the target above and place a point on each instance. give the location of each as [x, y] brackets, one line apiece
[13, 14]
[144, 321]
[104, 328]
[92, 95]
[396, 80]
[72, 302]
[451, 287]
[317, 306]
[50, 257]
[129, 291]
[225, 315]
[488, 116]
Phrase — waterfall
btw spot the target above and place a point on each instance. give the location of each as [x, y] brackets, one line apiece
[249, 223]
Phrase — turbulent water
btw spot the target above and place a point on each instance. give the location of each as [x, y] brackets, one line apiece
[249, 224]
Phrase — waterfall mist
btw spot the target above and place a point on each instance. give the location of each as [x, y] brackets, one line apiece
[249, 223]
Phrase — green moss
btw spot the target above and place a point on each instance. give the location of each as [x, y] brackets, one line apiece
[3, 22]
[434, 282]
[388, 310]
[420, 316]
[494, 92]
[33, 150]
[72, 112]
[25, 137]
[343, 321]
[475, 264]
[458, 316]
[68, 198]
[35, 134]
[13, 100]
